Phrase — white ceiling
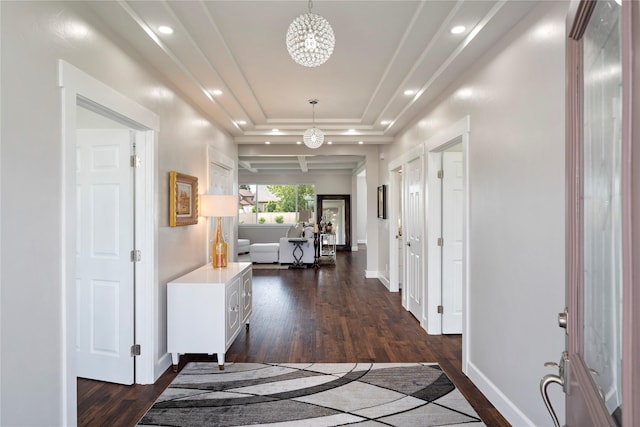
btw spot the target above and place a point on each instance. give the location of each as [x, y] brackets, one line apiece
[382, 49]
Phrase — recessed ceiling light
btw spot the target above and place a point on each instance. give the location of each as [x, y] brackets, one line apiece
[329, 142]
[165, 29]
[409, 92]
[458, 29]
[299, 142]
[275, 130]
[216, 92]
[360, 142]
[241, 122]
[267, 142]
[351, 131]
[385, 122]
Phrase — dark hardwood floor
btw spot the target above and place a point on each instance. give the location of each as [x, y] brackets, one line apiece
[332, 314]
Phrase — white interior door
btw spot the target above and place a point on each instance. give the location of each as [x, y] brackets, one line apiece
[104, 271]
[414, 220]
[452, 236]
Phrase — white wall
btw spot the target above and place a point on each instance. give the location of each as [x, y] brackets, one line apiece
[361, 222]
[35, 35]
[515, 98]
[324, 183]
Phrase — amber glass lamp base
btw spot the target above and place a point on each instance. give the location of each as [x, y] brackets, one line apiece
[219, 248]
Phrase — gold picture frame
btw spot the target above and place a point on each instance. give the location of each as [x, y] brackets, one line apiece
[183, 199]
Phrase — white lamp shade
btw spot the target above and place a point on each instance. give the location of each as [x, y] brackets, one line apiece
[218, 205]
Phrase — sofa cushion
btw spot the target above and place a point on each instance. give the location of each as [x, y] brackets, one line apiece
[295, 230]
[243, 246]
[264, 252]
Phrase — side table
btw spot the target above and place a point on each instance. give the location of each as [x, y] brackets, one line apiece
[298, 252]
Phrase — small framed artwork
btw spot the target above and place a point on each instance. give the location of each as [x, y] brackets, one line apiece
[183, 199]
[382, 202]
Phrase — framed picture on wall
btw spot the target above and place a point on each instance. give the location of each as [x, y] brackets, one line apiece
[183, 199]
[382, 202]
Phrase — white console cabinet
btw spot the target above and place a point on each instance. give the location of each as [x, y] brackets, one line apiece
[206, 309]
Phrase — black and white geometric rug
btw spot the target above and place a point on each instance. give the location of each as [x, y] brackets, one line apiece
[312, 394]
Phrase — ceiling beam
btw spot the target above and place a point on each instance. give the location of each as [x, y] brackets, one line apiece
[247, 166]
[303, 164]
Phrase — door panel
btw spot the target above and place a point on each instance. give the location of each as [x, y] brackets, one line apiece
[103, 266]
[595, 251]
[414, 220]
[452, 217]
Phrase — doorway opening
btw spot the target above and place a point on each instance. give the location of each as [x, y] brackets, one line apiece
[396, 238]
[79, 89]
[447, 236]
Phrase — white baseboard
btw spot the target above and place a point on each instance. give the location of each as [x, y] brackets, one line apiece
[501, 402]
[384, 281]
[162, 365]
[368, 274]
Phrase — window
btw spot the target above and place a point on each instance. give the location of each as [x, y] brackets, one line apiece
[276, 204]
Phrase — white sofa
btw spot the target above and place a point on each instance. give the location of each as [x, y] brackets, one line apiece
[243, 246]
[282, 251]
[264, 253]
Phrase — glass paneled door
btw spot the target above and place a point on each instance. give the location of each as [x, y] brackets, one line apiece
[592, 371]
[602, 203]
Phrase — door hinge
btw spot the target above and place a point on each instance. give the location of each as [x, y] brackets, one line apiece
[440, 174]
[136, 256]
[135, 350]
[135, 161]
[440, 241]
[440, 309]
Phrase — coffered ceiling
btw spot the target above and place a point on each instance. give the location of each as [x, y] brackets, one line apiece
[382, 49]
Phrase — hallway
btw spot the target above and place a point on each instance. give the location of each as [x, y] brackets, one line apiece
[332, 314]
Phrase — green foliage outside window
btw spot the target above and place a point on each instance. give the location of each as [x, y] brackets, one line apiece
[286, 195]
[271, 206]
[276, 204]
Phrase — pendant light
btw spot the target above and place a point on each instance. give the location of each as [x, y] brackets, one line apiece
[313, 137]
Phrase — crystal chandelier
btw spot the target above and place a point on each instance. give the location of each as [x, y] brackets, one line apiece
[310, 39]
[313, 137]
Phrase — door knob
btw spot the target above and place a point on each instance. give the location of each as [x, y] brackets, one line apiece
[560, 379]
[563, 318]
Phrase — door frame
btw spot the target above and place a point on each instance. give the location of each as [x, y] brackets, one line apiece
[452, 135]
[631, 213]
[577, 20]
[393, 203]
[75, 85]
[396, 164]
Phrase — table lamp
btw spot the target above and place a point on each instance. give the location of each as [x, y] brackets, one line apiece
[219, 205]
